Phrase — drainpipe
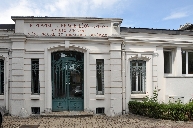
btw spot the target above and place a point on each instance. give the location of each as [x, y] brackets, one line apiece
[123, 77]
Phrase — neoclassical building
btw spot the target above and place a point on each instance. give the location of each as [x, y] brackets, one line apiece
[85, 63]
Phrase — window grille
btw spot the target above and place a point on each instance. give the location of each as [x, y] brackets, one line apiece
[35, 84]
[35, 110]
[100, 110]
[100, 76]
[138, 76]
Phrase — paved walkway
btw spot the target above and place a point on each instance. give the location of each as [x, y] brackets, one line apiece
[96, 121]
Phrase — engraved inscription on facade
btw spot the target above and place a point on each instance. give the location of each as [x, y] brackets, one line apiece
[68, 29]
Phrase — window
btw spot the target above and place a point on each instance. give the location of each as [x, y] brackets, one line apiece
[138, 76]
[100, 76]
[100, 110]
[168, 61]
[187, 62]
[35, 85]
[35, 110]
[1, 77]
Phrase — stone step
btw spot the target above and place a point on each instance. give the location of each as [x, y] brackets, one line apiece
[68, 114]
[29, 126]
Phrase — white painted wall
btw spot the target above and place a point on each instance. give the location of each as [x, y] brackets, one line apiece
[179, 86]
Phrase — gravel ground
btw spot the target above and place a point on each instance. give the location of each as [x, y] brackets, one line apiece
[96, 121]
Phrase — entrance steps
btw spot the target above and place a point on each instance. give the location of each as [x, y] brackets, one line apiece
[68, 114]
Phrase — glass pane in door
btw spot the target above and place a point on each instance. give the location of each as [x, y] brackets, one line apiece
[75, 86]
[59, 80]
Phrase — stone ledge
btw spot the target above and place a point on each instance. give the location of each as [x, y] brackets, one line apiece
[29, 126]
[67, 114]
[185, 76]
[100, 97]
[138, 96]
[35, 97]
[2, 97]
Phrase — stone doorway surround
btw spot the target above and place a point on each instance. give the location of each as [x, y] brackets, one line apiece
[48, 85]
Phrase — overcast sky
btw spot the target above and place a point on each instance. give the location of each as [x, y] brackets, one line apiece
[162, 14]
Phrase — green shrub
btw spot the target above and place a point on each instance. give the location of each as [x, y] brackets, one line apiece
[177, 111]
[150, 107]
[189, 110]
[171, 111]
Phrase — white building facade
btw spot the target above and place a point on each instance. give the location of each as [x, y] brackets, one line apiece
[78, 64]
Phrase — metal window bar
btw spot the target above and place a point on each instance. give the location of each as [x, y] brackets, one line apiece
[35, 84]
[1, 77]
[100, 76]
[138, 76]
[144, 76]
[35, 110]
[100, 110]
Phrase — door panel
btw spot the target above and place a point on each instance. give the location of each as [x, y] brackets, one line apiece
[59, 105]
[67, 81]
[75, 105]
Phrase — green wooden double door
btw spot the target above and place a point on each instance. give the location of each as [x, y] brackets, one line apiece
[67, 81]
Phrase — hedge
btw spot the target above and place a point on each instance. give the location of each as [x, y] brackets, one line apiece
[170, 111]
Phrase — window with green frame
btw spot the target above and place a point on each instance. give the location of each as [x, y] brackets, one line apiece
[100, 76]
[138, 76]
[35, 84]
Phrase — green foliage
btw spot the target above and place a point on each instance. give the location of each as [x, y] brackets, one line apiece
[189, 110]
[152, 108]
[153, 99]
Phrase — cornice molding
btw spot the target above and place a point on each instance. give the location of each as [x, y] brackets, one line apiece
[67, 47]
[139, 57]
[17, 37]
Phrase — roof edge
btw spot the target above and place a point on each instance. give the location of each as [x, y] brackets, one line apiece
[63, 18]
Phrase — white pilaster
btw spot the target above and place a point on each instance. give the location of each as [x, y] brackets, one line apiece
[86, 82]
[48, 85]
[178, 62]
[17, 74]
[116, 79]
[160, 71]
